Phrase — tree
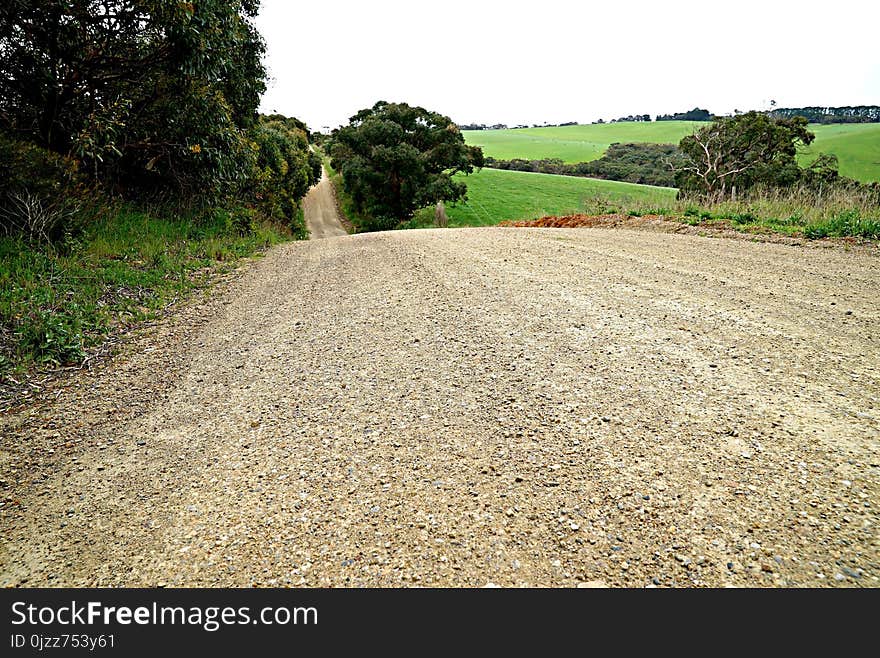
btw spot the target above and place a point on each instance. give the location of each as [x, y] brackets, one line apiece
[143, 92]
[696, 114]
[284, 170]
[741, 151]
[395, 158]
[822, 171]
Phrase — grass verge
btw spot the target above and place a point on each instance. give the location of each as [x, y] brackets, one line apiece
[496, 195]
[58, 303]
[351, 220]
[799, 212]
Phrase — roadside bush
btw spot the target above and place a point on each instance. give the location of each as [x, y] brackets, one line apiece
[284, 170]
[242, 221]
[38, 191]
[848, 223]
[378, 223]
[35, 218]
[52, 337]
[26, 166]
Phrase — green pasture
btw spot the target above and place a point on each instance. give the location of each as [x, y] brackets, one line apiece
[856, 145]
[495, 195]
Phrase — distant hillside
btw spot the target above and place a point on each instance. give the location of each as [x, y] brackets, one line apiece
[857, 145]
[579, 143]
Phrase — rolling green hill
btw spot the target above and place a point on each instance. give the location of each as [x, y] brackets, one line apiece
[857, 146]
[495, 195]
[574, 143]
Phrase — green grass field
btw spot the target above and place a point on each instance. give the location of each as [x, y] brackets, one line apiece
[857, 146]
[575, 143]
[495, 195]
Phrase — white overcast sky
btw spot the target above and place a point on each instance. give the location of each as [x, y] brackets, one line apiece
[529, 62]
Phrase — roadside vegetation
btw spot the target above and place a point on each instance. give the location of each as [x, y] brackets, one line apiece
[495, 196]
[59, 303]
[133, 163]
[353, 222]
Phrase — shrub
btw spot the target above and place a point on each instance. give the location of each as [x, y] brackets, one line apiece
[284, 170]
[33, 218]
[743, 218]
[52, 337]
[38, 191]
[27, 166]
[816, 231]
[243, 221]
[851, 223]
[378, 223]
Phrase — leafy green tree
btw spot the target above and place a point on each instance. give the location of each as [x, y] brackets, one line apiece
[696, 114]
[285, 169]
[822, 171]
[741, 151]
[395, 158]
[149, 93]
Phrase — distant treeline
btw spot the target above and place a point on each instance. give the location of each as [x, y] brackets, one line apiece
[482, 126]
[504, 126]
[633, 117]
[695, 114]
[847, 114]
[626, 119]
[631, 163]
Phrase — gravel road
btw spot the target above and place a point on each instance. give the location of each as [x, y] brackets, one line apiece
[319, 206]
[530, 407]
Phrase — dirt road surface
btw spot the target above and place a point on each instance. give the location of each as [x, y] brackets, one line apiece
[320, 211]
[463, 407]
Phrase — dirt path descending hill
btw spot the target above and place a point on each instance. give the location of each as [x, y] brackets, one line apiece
[321, 214]
[460, 407]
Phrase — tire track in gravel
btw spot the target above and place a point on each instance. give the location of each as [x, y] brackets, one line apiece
[523, 407]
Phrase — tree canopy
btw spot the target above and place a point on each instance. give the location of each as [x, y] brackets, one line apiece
[741, 151]
[395, 158]
[696, 114]
[143, 92]
[149, 100]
